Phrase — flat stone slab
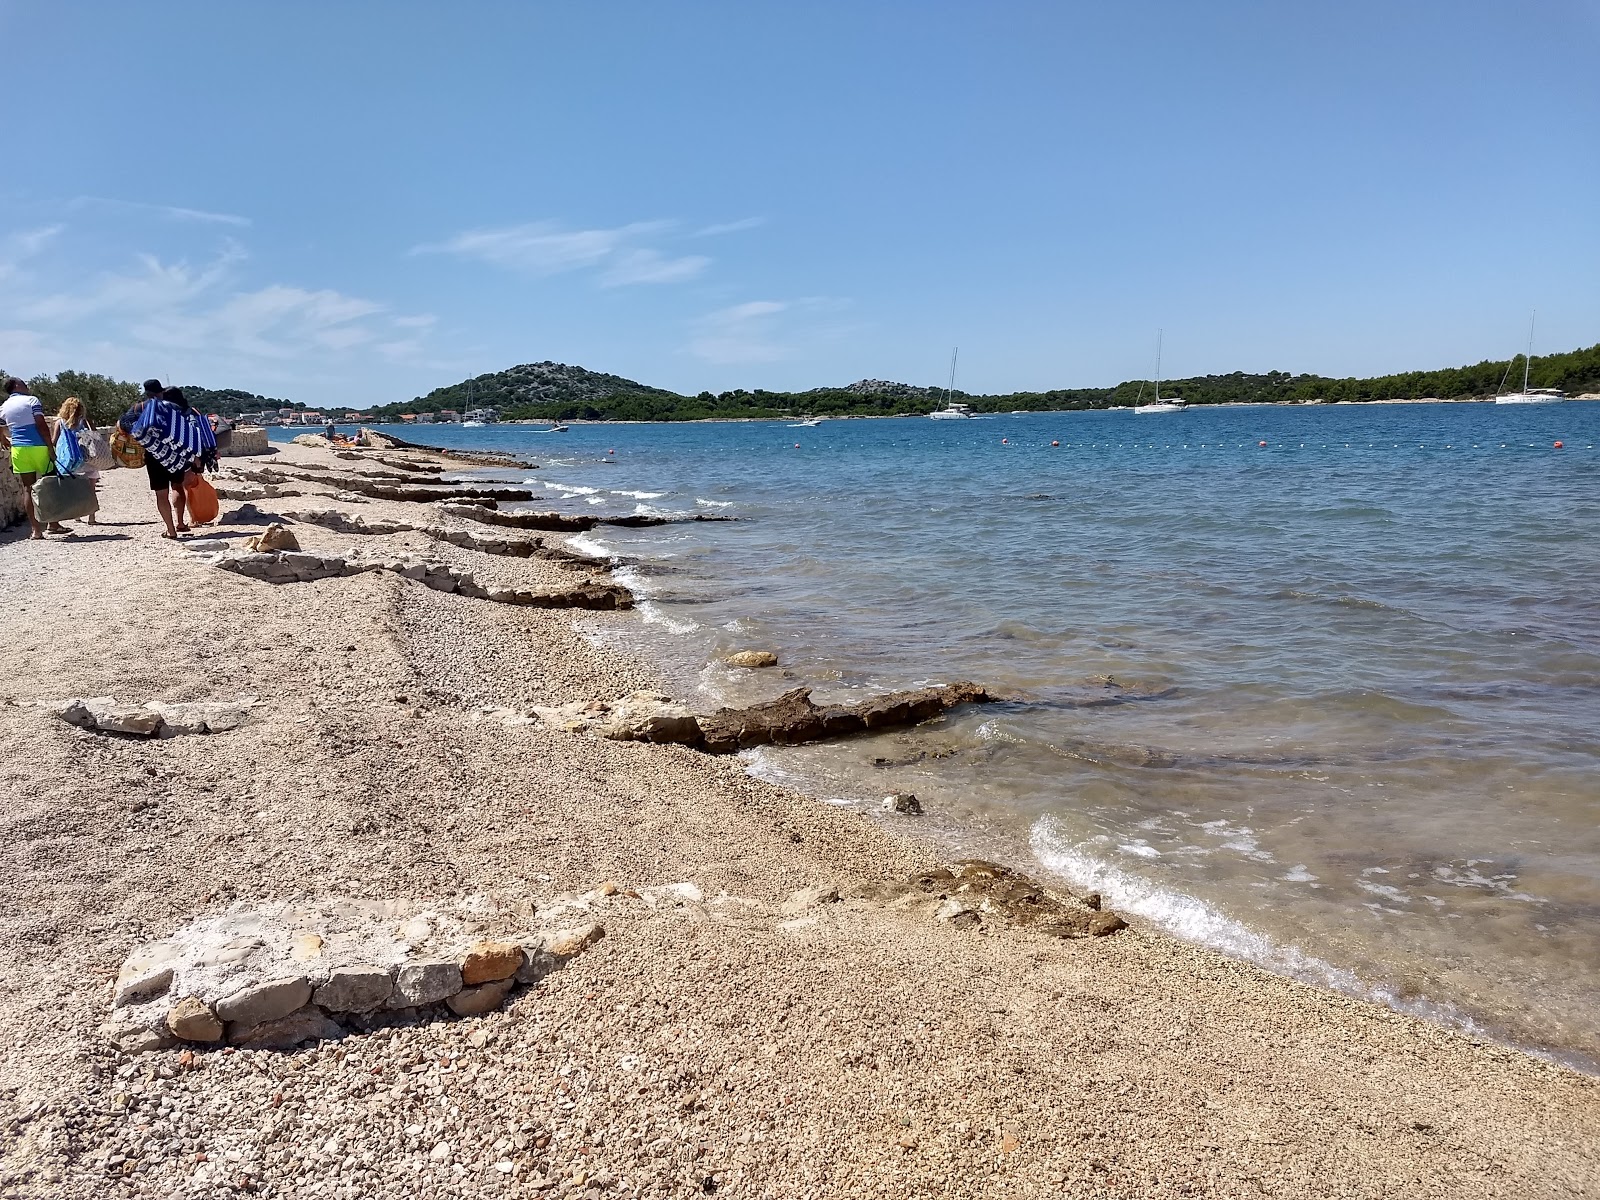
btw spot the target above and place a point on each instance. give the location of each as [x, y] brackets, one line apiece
[271, 976]
[155, 718]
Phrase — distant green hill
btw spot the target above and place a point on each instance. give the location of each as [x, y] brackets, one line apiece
[556, 391]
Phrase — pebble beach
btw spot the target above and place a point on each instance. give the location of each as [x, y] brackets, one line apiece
[759, 1018]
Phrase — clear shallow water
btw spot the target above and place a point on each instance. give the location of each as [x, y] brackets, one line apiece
[1360, 733]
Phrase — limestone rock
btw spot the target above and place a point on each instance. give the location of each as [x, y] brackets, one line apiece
[105, 714]
[308, 1024]
[752, 659]
[903, 802]
[135, 1039]
[485, 997]
[190, 1020]
[639, 717]
[487, 962]
[256, 1004]
[145, 973]
[953, 912]
[416, 984]
[273, 539]
[811, 897]
[305, 947]
[359, 988]
[567, 942]
[792, 719]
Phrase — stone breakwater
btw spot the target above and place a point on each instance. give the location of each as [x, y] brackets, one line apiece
[269, 977]
[790, 720]
[299, 567]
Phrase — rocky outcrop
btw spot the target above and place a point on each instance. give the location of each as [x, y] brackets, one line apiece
[340, 522]
[273, 538]
[374, 439]
[295, 567]
[271, 977]
[792, 719]
[591, 594]
[639, 717]
[752, 659]
[431, 495]
[555, 522]
[247, 441]
[984, 896]
[12, 511]
[155, 718]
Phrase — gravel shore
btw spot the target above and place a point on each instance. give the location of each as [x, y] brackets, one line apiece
[719, 1041]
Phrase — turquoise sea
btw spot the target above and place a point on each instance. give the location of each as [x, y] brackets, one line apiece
[1330, 703]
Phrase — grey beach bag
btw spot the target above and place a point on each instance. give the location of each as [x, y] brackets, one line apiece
[63, 498]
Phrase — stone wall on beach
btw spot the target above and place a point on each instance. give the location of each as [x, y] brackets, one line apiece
[11, 509]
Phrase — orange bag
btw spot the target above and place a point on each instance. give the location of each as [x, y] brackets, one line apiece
[202, 498]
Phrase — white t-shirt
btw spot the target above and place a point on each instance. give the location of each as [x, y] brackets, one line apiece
[18, 412]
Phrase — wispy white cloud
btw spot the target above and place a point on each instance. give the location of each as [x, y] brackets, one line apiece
[194, 321]
[17, 248]
[651, 266]
[742, 333]
[546, 248]
[730, 227]
[760, 331]
[172, 211]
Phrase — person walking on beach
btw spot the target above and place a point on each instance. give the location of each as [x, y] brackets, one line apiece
[31, 441]
[73, 419]
[176, 440]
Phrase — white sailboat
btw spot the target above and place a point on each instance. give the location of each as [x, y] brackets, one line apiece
[952, 411]
[1159, 405]
[1529, 395]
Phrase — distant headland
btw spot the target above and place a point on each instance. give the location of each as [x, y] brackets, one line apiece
[552, 391]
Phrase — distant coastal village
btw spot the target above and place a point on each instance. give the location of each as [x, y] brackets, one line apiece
[551, 391]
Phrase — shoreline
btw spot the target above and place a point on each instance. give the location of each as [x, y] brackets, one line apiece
[844, 1048]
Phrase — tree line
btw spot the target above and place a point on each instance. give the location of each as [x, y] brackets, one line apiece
[107, 398]
[1575, 372]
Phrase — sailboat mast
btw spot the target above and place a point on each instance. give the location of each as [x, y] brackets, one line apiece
[1527, 359]
[1158, 366]
[950, 388]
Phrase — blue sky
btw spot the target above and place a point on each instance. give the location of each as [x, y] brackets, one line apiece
[356, 202]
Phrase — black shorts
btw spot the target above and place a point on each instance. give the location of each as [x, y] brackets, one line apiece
[160, 478]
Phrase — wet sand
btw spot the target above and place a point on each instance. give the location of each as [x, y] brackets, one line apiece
[721, 1045]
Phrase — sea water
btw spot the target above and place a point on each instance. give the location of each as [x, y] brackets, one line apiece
[1318, 686]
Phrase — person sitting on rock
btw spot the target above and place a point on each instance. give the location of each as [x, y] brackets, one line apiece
[31, 441]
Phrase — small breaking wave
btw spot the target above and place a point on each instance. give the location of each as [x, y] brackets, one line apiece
[637, 495]
[587, 543]
[713, 503]
[1193, 920]
[572, 489]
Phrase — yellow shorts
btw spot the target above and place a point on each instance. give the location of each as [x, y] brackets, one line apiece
[30, 460]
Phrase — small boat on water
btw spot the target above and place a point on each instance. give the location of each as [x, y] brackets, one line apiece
[952, 410]
[1528, 395]
[808, 423]
[472, 424]
[1158, 405]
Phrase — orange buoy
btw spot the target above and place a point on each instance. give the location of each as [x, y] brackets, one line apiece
[797, 445]
[1558, 445]
[1055, 443]
[1005, 441]
[1261, 443]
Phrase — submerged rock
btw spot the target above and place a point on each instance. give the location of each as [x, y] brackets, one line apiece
[792, 719]
[752, 659]
[979, 894]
